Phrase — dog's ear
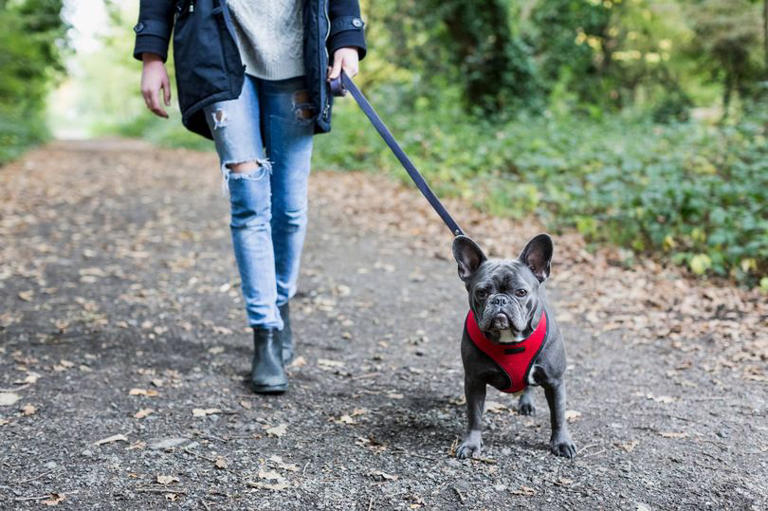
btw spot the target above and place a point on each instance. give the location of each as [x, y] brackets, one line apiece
[537, 255]
[468, 255]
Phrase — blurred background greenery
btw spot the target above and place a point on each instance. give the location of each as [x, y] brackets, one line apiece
[640, 123]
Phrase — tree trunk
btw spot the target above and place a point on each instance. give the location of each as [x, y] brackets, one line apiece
[765, 35]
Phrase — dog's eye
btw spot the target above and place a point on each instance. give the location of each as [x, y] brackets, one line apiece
[481, 294]
[521, 293]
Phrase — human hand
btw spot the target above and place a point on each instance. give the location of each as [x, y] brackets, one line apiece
[153, 78]
[346, 59]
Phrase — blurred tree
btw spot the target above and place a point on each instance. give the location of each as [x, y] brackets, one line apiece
[573, 46]
[727, 36]
[448, 43]
[495, 66]
[31, 42]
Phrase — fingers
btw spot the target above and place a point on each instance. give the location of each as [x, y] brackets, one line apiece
[152, 99]
[346, 59]
[336, 69]
[166, 91]
[350, 61]
[350, 67]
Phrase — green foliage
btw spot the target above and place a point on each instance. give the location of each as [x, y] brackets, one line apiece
[30, 62]
[696, 193]
[569, 40]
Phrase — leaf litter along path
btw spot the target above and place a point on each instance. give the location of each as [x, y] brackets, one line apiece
[124, 357]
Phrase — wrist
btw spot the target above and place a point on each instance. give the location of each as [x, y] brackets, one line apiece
[150, 57]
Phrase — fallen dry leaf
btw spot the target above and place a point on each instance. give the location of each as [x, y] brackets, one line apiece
[27, 296]
[278, 461]
[143, 392]
[29, 379]
[524, 490]
[220, 463]
[270, 475]
[383, 476]
[28, 409]
[202, 412]
[662, 399]
[572, 415]
[268, 486]
[298, 362]
[110, 439]
[277, 431]
[167, 479]
[495, 407]
[629, 446]
[143, 413]
[673, 434]
[53, 500]
[8, 398]
[327, 364]
[345, 419]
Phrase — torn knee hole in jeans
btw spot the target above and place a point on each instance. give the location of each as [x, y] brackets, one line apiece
[248, 168]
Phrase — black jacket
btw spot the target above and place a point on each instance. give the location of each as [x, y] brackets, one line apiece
[207, 61]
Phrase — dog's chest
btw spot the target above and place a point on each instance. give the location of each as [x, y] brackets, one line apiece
[514, 360]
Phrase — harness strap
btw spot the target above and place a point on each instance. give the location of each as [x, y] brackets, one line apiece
[339, 87]
[515, 360]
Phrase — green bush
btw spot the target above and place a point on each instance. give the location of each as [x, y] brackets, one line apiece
[30, 62]
[695, 193]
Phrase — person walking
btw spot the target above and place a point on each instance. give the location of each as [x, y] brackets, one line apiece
[252, 75]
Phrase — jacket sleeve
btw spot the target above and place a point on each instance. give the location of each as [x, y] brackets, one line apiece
[153, 31]
[347, 27]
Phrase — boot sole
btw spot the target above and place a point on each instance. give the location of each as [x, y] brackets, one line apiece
[269, 389]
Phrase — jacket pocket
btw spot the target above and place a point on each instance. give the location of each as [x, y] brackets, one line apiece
[201, 68]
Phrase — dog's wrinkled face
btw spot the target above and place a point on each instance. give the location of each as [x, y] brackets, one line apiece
[504, 294]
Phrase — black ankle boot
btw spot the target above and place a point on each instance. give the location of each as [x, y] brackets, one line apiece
[285, 335]
[267, 370]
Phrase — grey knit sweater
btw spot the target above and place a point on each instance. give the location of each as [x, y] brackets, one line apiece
[270, 37]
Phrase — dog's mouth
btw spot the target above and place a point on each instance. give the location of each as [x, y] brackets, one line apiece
[500, 322]
[504, 329]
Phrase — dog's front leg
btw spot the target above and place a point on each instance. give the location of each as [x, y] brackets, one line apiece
[560, 442]
[525, 403]
[474, 391]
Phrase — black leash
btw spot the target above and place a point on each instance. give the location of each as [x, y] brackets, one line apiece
[339, 87]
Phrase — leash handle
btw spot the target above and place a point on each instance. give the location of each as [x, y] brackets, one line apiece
[343, 84]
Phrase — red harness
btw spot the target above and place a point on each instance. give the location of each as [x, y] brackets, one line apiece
[516, 359]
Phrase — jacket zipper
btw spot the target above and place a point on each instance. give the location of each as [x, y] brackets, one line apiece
[327, 105]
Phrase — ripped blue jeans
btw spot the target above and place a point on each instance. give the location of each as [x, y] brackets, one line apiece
[271, 123]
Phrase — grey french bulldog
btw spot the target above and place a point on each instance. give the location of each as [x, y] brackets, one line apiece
[511, 340]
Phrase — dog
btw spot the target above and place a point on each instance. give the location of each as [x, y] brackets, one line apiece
[511, 340]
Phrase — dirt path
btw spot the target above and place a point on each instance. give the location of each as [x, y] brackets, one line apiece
[120, 315]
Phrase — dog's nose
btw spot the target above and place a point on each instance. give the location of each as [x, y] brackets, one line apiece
[500, 300]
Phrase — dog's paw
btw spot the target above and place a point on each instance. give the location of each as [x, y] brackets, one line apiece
[562, 445]
[470, 447]
[526, 407]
